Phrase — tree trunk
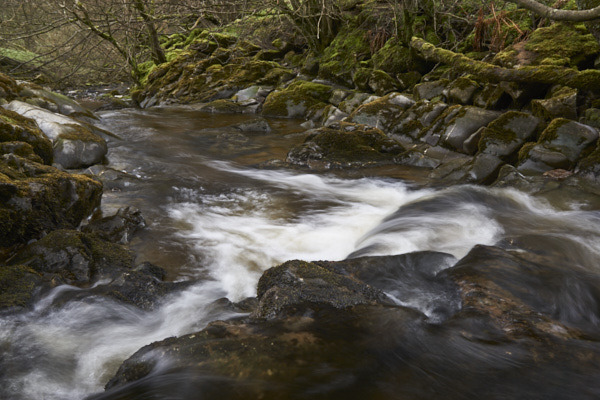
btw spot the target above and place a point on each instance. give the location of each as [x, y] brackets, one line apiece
[588, 79]
[158, 55]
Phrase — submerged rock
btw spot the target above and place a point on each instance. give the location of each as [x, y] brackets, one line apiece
[118, 228]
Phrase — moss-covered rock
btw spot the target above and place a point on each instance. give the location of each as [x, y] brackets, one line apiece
[301, 99]
[343, 145]
[461, 91]
[560, 44]
[75, 258]
[14, 127]
[382, 113]
[560, 146]
[36, 199]
[18, 285]
[344, 55]
[74, 145]
[561, 104]
[394, 58]
[504, 136]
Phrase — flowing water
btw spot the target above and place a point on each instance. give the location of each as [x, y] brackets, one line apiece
[216, 219]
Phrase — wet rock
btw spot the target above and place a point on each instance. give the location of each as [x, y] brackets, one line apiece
[254, 125]
[559, 146]
[75, 258]
[430, 90]
[461, 91]
[383, 112]
[525, 292]
[75, 146]
[343, 145]
[562, 104]
[297, 285]
[456, 124]
[504, 136]
[118, 228]
[417, 118]
[36, 199]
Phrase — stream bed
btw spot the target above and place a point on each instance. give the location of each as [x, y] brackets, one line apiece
[216, 219]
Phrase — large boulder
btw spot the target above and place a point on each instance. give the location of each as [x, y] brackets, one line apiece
[301, 99]
[16, 128]
[382, 112]
[75, 146]
[456, 124]
[320, 331]
[504, 136]
[559, 146]
[36, 199]
[342, 145]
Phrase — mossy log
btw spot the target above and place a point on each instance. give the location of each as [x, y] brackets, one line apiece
[547, 74]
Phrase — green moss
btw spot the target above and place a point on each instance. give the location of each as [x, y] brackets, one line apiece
[17, 286]
[79, 132]
[297, 100]
[550, 134]
[562, 41]
[343, 54]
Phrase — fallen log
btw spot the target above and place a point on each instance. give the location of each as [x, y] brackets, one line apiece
[546, 74]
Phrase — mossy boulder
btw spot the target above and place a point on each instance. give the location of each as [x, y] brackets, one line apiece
[344, 145]
[560, 146]
[560, 44]
[561, 104]
[18, 287]
[344, 55]
[82, 259]
[461, 91]
[74, 145]
[394, 58]
[375, 81]
[16, 128]
[301, 99]
[383, 112]
[456, 124]
[504, 136]
[36, 199]
[75, 258]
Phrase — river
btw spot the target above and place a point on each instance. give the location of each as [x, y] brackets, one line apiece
[214, 218]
